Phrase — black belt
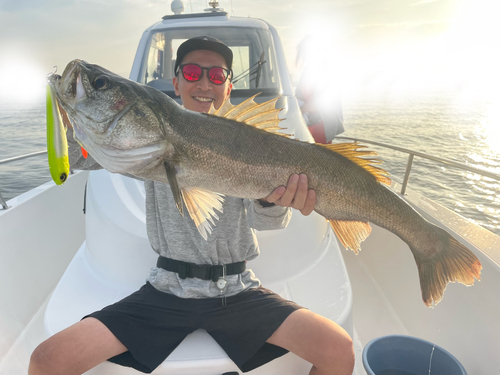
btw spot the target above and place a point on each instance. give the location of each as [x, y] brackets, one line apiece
[205, 272]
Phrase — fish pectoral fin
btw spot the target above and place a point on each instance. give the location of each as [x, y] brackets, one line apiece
[262, 116]
[176, 191]
[351, 233]
[201, 205]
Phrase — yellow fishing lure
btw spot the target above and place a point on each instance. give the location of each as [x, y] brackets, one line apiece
[57, 145]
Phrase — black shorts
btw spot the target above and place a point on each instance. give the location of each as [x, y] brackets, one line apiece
[151, 324]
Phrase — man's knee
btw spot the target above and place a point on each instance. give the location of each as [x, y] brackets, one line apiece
[40, 361]
[342, 355]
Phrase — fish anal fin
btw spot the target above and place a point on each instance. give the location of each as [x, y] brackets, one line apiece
[201, 205]
[454, 264]
[261, 116]
[351, 233]
[364, 158]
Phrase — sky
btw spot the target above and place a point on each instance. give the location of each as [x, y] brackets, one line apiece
[403, 44]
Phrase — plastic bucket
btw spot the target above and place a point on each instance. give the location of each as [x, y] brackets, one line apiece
[407, 355]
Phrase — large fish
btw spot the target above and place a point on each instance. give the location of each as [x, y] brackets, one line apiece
[131, 128]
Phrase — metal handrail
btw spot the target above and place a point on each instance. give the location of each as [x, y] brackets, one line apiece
[3, 203]
[412, 154]
[5, 161]
[23, 157]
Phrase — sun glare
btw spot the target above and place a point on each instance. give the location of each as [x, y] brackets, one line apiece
[462, 57]
[21, 81]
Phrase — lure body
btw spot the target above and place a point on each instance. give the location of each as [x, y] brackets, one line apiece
[57, 145]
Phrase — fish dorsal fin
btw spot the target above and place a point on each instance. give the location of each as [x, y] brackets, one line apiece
[363, 158]
[351, 233]
[201, 205]
[261, 116]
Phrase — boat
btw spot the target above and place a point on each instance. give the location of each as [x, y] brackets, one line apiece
[69, 250]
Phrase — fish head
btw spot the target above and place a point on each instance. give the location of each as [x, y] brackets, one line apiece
[118, 121]
[92, 96]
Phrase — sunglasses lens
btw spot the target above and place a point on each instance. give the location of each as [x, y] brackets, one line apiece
[191, 73]
[217, 75]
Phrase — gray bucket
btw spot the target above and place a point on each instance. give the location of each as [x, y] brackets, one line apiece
[407, 355]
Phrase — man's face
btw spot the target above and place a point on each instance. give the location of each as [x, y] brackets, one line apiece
[198, 96]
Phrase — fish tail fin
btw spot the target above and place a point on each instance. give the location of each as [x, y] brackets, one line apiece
[455, 264]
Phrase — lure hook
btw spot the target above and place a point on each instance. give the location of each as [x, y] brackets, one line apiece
[53, 73]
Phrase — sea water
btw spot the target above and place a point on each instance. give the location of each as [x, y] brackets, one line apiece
[443, 124]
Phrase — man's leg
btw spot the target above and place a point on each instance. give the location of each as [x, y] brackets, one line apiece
[75, 350]
[317, 340]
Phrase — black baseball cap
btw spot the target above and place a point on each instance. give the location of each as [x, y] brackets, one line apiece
[207, 43]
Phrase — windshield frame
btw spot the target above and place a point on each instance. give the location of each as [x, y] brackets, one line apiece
[260, 40]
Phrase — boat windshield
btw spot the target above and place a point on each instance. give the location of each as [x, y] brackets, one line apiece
[254, 62]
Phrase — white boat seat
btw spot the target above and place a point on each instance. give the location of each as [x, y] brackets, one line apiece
[162, 84]
[312, 273]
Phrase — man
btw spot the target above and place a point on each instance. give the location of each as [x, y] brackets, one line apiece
[251, 323]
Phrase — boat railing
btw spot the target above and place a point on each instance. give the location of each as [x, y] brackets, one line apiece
[411, 155]
[16, 158]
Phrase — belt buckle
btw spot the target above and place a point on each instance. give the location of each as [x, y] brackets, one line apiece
[199, 271]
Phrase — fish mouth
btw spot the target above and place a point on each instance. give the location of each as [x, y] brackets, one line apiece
[71, 82]
[70, 68]
[79, 90]
[68, 87]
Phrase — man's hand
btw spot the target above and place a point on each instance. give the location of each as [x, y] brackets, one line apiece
[296, 195]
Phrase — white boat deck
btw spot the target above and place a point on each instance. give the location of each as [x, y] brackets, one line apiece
[316, 278]
[383, 278]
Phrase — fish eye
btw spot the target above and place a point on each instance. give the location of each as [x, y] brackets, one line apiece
[100, 83]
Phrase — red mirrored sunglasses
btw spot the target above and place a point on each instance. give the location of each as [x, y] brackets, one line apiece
[193, 73]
